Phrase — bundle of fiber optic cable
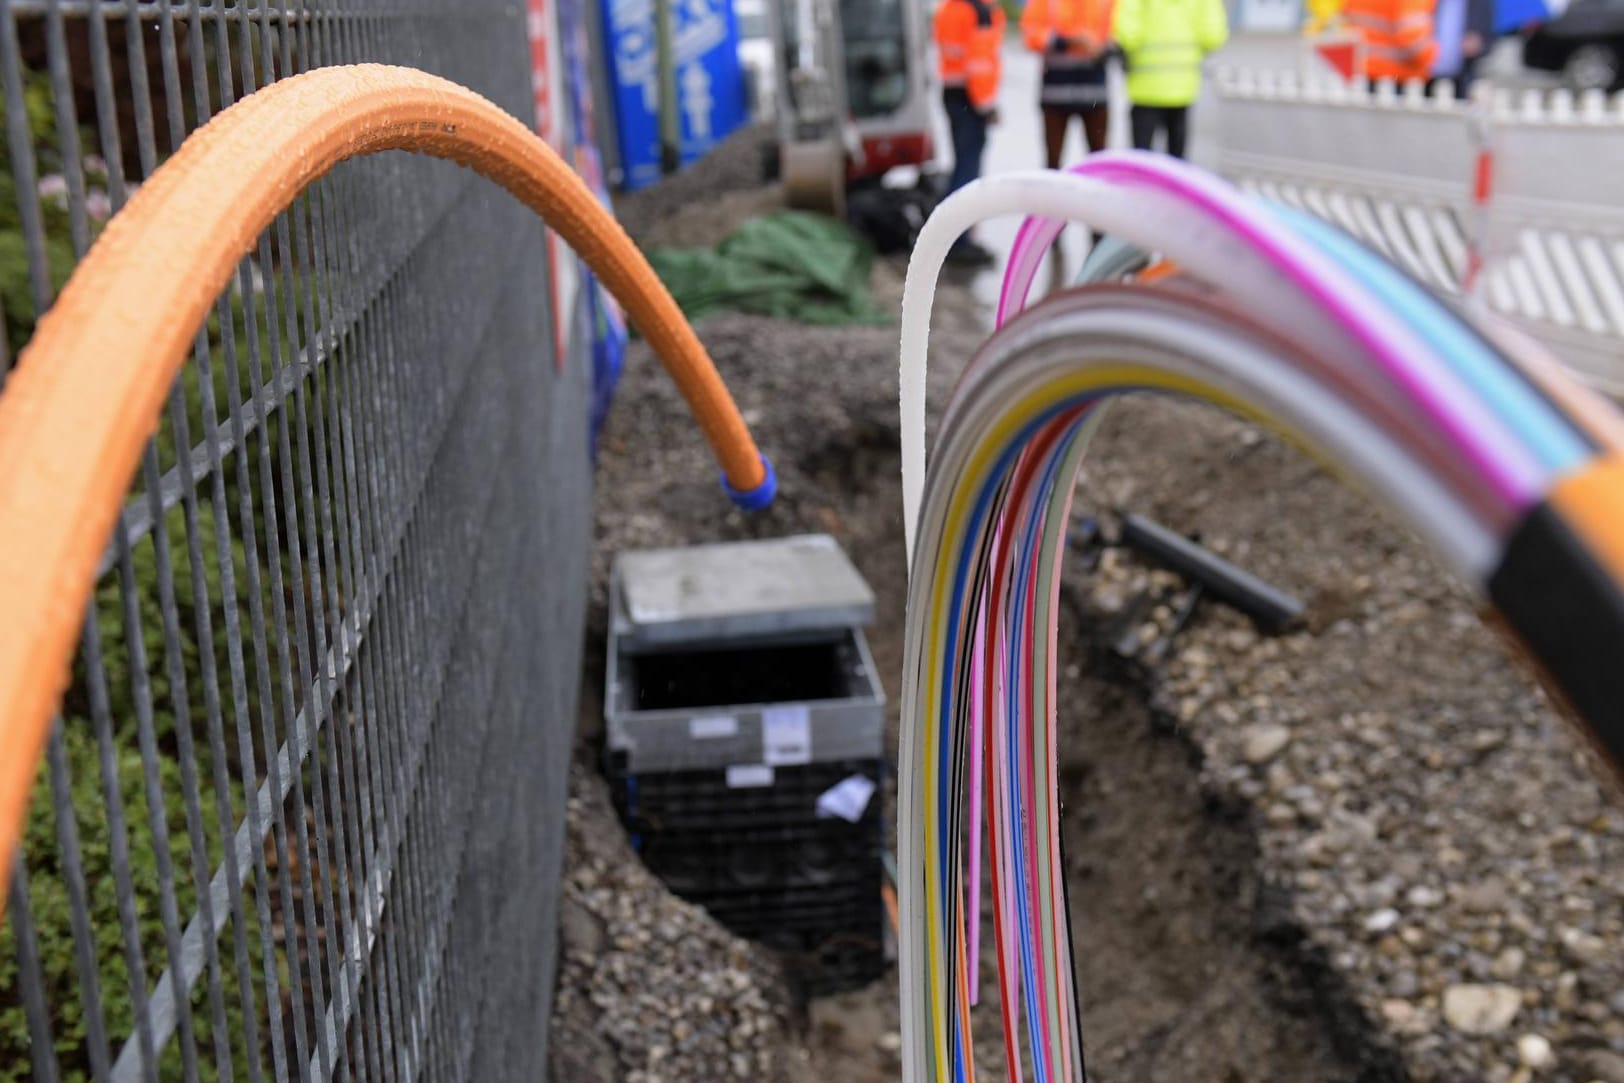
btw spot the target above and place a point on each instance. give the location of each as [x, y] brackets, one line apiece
[1468, 434]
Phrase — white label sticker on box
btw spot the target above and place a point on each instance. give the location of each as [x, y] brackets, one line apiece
[712, 727]
[786, 735]
[743, 776]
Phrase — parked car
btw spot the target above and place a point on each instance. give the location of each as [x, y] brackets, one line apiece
[1585, 44]
[756, 58]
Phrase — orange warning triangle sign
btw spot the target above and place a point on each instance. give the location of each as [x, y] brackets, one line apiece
[1341, 55]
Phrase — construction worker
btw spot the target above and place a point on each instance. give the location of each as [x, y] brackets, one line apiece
[1396, 37]
[1071, 36]
[1163, 44]
[968, 36]
[1463, 29]
[1321, 14]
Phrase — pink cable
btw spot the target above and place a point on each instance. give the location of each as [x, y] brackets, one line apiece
[1290, 255]
[1025, 256]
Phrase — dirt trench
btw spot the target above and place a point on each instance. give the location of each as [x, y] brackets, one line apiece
[1188, 969]
[1300, 910]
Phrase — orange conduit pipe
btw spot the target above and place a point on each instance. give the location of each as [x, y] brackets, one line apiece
[88, 388]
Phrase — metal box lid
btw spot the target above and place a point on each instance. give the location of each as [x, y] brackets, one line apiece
[739, 590]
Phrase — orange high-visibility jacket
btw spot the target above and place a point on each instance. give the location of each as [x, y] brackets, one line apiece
[968, 35]
[1084, 21]
[1397, 36]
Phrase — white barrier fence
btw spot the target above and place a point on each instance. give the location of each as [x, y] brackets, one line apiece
[1396, 169]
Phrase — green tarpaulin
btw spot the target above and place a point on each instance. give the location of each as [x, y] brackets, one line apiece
[791, 264]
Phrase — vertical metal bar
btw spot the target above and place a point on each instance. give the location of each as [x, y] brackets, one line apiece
[42, 1052]
[119, 846]
[20, 146]
[146, 736]
[377, 718]
[73, 874]
[414, 691]
[409, 735]
[386, 717]
[67, 126]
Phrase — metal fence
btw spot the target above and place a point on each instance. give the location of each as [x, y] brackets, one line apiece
[1397, 169]
[301, 817]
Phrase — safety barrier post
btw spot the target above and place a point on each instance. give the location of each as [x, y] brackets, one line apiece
[1480, 125]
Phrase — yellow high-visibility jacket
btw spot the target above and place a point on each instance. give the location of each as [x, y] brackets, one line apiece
[1164, 42]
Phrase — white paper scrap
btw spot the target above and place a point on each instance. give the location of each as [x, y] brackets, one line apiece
[847, 798]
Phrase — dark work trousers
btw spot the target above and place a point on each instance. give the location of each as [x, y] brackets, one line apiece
[1463, 81]
[1172, 119]
[1056, 118]
[969, 130]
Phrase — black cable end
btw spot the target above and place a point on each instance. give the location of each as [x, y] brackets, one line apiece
[1568, 611]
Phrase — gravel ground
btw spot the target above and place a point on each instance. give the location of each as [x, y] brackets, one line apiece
[650, 987]
[1438, 829]
[1367, 851]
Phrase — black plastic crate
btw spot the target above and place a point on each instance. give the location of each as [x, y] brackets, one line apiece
[702, 800]
[766, 865]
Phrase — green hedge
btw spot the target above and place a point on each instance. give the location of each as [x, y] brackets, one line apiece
[48, 888]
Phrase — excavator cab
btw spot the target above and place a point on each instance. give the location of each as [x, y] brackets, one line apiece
[854, 95]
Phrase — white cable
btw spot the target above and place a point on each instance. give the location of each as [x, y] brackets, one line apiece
[1158, 222]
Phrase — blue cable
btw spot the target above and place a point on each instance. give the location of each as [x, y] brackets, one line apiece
[1554, 442]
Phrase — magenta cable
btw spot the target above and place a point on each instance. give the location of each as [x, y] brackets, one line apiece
[1301, 264]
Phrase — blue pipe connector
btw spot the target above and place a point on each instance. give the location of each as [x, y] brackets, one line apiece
[757, 498]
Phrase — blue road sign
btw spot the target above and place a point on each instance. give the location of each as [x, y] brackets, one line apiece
[710, 88]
